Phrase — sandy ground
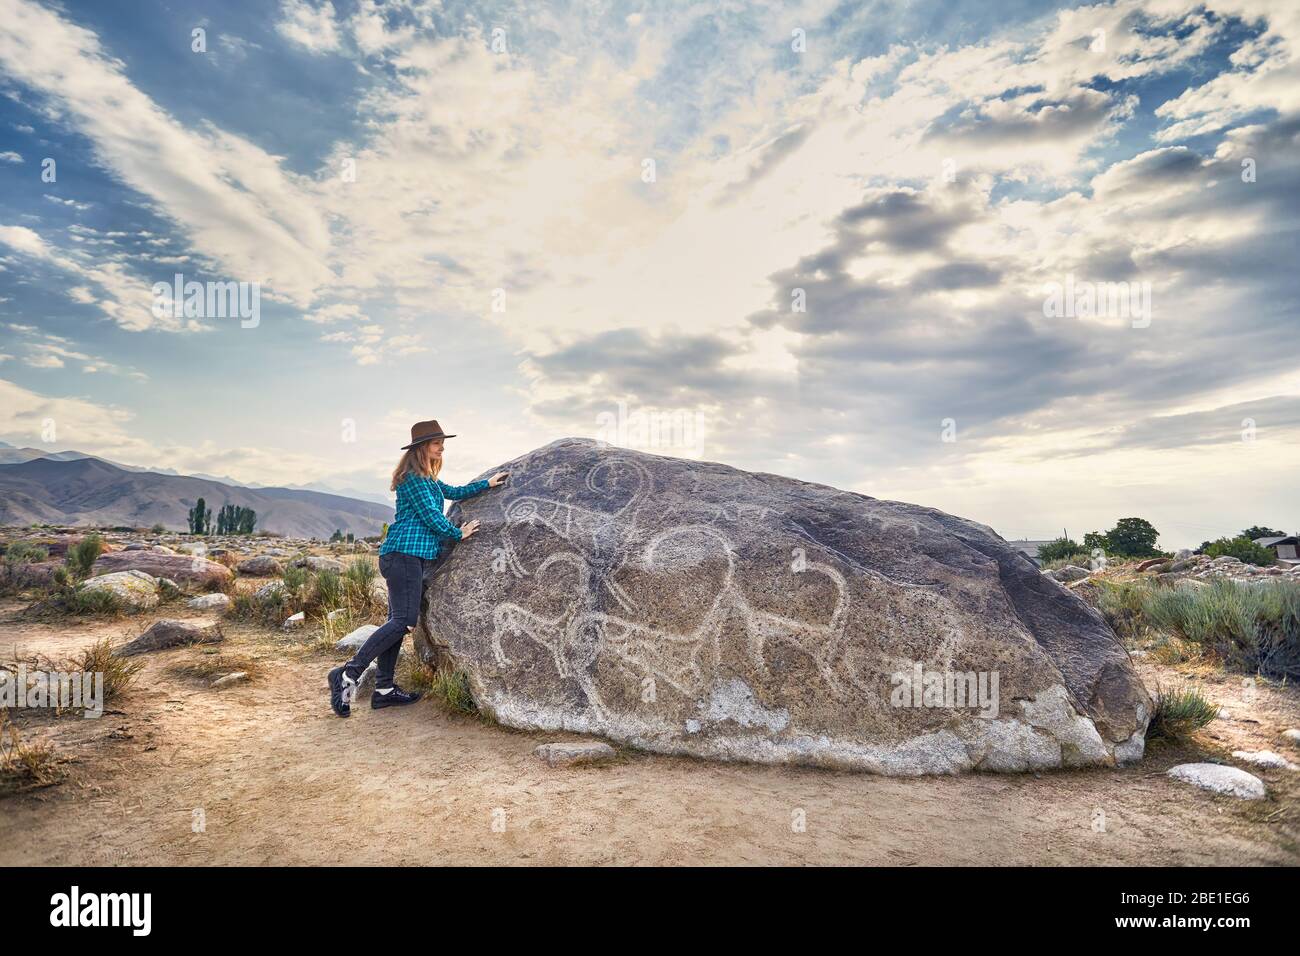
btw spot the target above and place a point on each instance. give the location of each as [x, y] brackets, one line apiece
[277, 779]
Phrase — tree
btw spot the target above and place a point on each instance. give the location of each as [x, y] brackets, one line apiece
[337, 535]
[1257, 531]
[1130, 538]
[1094, 541]
[200, 518]
[235, 519]
[1058, 549]
[1243, 549]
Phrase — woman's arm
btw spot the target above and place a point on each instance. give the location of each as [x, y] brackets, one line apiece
[461, 492]
[428, 508]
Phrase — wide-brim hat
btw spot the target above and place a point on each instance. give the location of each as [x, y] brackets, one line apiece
[422, 432]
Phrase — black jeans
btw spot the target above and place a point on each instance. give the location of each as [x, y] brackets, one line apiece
[404, 574]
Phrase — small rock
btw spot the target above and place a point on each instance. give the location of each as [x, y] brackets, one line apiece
[1217, 778]
[317, 563]
[168, 633]
[1292, 735]
[1152, 563]
[333, 616]
[296, 621]
[209, 602]
[1265, 758]
[1070, 572]
[573, 754]
[238, 677]
[260, 567]
[275, 591]
[358, 637]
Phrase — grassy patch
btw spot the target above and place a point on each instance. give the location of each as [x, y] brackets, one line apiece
[24, 766]
[447, 688]
[1179, 713]
[119, 672]
[207, 666]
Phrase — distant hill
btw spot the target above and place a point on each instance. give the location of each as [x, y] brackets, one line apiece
[90, 491]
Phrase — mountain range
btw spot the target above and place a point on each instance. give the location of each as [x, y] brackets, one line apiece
[58, 488]
[13, 455]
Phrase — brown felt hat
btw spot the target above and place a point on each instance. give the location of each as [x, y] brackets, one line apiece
[426, 431]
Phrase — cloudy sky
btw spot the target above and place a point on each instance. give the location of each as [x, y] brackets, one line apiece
[817, 239]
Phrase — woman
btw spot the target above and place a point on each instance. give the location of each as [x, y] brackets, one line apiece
[410, 546]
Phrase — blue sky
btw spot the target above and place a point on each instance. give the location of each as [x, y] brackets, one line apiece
[919, 172]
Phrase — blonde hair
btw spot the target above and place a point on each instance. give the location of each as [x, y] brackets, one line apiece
[419, 460]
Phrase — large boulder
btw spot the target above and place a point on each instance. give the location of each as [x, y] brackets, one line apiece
[185, 569]
[692, 608]
[134, 590]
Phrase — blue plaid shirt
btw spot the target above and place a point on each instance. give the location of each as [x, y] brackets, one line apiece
[419, 521]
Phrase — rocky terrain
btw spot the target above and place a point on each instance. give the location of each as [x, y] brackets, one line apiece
[227, 718]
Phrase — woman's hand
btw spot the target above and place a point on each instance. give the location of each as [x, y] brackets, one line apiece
[498, 479]
[468, 528]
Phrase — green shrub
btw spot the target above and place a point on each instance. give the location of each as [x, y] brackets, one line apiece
[1080, 559]
[24, 552]
[327, 595]
[1243, 549]
[1059, 549]
[1179, 713]
[1250, 625]
[1122, 604]
[83, 555]
[295, 581]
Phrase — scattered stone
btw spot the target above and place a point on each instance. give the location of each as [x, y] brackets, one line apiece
[190, 570]
[170, 633]
[1217, 778]
[295, 621]
[575, 754]
[134, 590]
[1183, 554]
[210, 602]
[1150, 563]
[1071, 572]
[260, 567]
[274, 591]
[317, 563]
[1292, 735]
[333, 616]
[356, 638]
[1265, 758]
[238, 677]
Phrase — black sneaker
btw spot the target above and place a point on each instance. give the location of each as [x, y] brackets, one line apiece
[342, 690]
[394, 698]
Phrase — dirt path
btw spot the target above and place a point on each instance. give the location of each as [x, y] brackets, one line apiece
[279, 780]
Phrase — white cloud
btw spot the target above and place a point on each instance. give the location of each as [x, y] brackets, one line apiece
[311, 27]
